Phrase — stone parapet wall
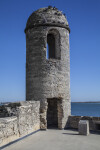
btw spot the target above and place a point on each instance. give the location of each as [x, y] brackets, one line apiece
[94, 122]
[21, 119]
[8, 130]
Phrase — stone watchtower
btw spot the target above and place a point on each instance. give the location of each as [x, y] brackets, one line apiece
[48, 65]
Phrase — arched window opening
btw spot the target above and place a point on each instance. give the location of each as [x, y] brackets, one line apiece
[53, 45]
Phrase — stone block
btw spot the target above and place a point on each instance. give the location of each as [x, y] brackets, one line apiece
[83, 127]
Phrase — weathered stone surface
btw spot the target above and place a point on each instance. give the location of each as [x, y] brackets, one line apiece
[8, 130]
[83, 127]
[9, 109]
[25, 118]
[48, 78]
[49, 16]
[73, 122]
[28, 118]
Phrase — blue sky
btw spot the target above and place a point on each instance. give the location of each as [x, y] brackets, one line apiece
[84, 21]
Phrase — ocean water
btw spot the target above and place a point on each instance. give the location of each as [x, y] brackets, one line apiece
[85, 109]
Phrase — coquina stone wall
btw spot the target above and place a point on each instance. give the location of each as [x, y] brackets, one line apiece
[94, 122]
[48, 78]
[18, 120]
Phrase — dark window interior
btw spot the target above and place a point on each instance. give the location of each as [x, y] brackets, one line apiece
[50, 46]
